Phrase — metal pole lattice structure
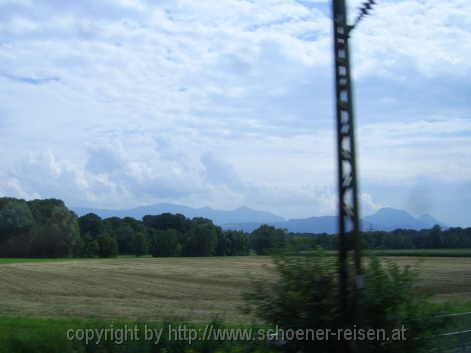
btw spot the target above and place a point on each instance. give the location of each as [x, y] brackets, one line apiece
[349, 244]
[348, 206]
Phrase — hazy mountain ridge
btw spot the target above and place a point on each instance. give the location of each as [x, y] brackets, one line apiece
[219, 217]
[323, 224]
[248, 219]
[385, 219]
[390, 218]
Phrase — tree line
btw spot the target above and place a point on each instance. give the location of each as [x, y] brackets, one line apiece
[434, 238]
[161, 235]
[47, 228]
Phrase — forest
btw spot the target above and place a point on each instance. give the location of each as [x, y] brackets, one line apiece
[47, 228]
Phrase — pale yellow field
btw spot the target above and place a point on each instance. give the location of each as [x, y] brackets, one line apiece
[447, 278]
[195, 289]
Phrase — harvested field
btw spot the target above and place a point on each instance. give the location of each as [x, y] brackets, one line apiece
[160, 289]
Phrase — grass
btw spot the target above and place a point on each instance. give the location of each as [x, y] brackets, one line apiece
[13, 260]
[376, 252]
[422, 252]
[137, 289]
[43, 298]
[182, 289]
[447, 278]
[405, 252]
[25, 335]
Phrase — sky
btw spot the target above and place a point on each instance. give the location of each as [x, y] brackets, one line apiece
[229, 103]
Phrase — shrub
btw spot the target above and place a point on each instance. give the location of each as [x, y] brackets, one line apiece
[304, 296]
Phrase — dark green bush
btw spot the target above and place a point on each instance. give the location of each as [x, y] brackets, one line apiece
[305, 296]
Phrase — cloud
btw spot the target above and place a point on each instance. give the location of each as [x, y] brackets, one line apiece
[30, 80]
[430, 37]
[103, 160]
[229, 103]
[219, 172]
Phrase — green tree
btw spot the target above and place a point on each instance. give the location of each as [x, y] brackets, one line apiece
[265, 239]
[166, 243]
[107, 246]
[124, 234]
[91, 224]
[88, 247]
[167, 221]
[232, 243]
[15, 217]
[16, 225]
[201, 240]
[222, 244]
[56, 231]
[140, 244]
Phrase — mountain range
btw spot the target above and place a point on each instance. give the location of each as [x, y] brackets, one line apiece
[219, 217]
[248, 219]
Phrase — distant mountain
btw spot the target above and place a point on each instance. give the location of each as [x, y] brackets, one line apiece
[385, 219]
[390, 218]
[429, 221]
[220, 217]
[246, 226]
[323, 224]
[247, 219]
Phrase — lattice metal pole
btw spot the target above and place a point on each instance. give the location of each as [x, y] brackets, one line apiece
[348, 208]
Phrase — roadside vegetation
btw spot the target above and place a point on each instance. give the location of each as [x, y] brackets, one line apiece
[303, 296]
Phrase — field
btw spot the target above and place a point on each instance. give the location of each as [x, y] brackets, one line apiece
[129, 288]
[423, 252]
[159, 289]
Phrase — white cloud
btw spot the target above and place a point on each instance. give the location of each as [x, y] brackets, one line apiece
[431, 37]
[369, 206]
[225, 103]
